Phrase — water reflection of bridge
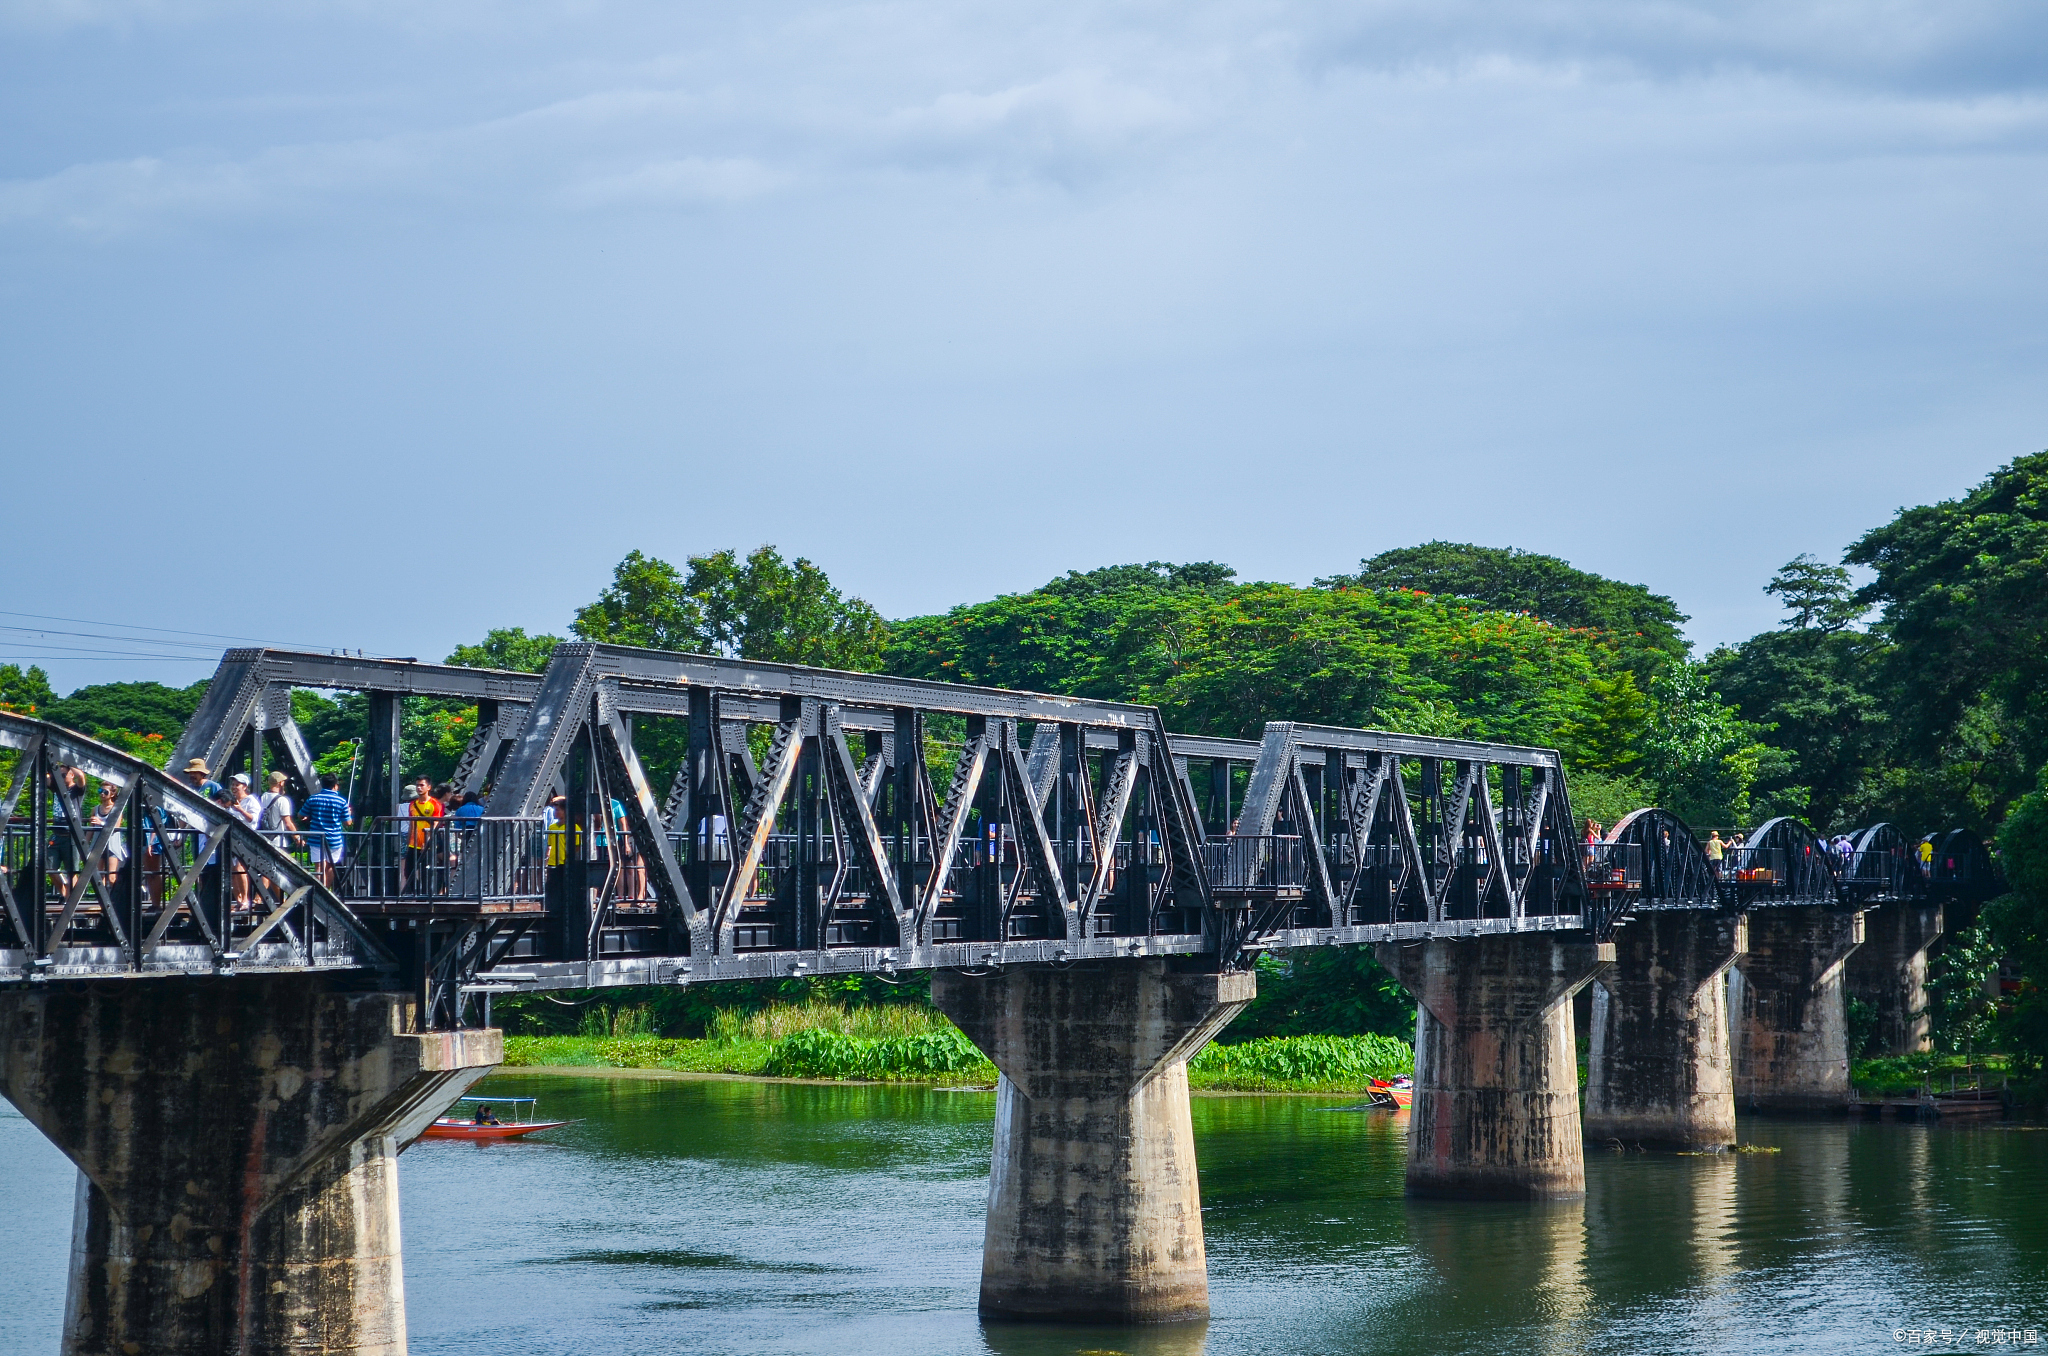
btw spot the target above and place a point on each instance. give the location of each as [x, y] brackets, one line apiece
[1093, 889]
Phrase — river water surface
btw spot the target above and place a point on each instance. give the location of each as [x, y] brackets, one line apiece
[723, 1216]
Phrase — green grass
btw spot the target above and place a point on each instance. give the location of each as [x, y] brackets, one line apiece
[904, 1043]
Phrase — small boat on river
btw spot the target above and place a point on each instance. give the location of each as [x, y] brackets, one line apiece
[1396, 1094]
[483, 1122]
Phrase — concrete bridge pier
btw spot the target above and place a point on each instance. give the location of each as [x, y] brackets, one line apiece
[237, 1144]
[1094, 1211]
[1660, 1073]
[1889, 971]
[1496, 1110]
[1791, 1026]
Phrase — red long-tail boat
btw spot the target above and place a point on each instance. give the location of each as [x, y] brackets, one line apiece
[483, 1123]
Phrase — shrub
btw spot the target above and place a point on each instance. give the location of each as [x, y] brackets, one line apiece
[819, 1053]
[1301, 1062]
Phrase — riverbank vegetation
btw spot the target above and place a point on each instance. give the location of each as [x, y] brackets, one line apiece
[912, 1043]
[1908, 694]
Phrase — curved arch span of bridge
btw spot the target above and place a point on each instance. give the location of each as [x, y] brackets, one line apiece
[1094, 888]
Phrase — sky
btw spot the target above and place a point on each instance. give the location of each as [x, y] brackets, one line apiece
[375, 325]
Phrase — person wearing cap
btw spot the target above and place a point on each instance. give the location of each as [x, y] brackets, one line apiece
[249, 810]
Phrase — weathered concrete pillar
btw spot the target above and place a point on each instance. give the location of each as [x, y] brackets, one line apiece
[1791, 1028]
[1660, 1073]
[1496, 1111]
[1889, 972]
[237, 1145]
[1094, 1210]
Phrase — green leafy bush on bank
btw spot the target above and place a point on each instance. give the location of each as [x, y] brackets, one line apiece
[1301, 1063]
[919, 1045]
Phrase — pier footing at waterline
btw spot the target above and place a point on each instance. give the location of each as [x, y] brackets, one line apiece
[1791, 1038]
[1094, 1212]
[1659, 1074]
[1496, 1106]
[237, 1145]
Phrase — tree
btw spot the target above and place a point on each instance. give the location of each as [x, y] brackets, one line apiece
[2019, 923]
[1964, 588]
[1817, 693]
[1817, 595]
[1326, 991]
[1225, 659]
[1155, 576]
[1699, 755]
[1607, 737]
[1645, 625]
[507, 647]
[762, 607]
[26, 691]
[140, 708]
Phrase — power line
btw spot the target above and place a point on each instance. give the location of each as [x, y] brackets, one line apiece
[167, 630]
[107, 635]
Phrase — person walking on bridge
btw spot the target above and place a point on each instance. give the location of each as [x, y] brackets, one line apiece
[1716, 851]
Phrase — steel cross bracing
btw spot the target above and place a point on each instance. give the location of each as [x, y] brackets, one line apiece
[670, 818]
[162, 881]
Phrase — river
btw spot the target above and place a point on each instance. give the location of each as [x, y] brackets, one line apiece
[724, 1216]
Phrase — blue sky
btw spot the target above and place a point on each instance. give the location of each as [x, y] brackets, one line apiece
[375, 325]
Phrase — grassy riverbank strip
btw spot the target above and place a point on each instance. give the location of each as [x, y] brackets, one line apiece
[905, 1044]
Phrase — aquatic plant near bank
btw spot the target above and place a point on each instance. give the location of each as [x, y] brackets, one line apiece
[1301, 1063]
[915, 1044]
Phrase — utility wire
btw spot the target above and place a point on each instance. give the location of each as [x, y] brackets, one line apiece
[166, 630]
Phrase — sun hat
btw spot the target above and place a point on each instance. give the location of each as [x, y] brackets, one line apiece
[197, 767]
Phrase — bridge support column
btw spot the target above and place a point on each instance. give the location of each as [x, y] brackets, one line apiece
[1094, 1212]
[1660, 1070]
[1889, 972]
[1496, 1110]
[1791, 1027]
[237, 1144]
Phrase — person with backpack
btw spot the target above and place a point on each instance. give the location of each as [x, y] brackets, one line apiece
[275, 816]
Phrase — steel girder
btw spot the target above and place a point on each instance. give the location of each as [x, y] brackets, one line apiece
[168, 883]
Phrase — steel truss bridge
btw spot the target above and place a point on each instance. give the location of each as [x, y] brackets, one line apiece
[659, 818]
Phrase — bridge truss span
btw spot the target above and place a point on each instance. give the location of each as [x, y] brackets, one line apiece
[672, 818]
[159, 881]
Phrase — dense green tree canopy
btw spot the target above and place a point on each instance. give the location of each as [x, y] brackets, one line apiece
[507, 647]
[762, 607]
[1225, 659]
[26, 690]
[1964, 588]
[1645, 624]
[140, 708]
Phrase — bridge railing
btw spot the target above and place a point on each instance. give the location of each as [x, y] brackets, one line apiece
[1255, 867]
[401, 863]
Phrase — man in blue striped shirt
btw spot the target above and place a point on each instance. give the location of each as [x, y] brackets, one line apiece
[326, 817]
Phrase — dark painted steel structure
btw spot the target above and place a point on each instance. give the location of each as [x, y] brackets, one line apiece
[662, 818]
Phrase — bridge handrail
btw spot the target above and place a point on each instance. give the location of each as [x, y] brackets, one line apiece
[167, 819]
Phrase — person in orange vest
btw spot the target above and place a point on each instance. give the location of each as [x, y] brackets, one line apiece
[422, 811]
